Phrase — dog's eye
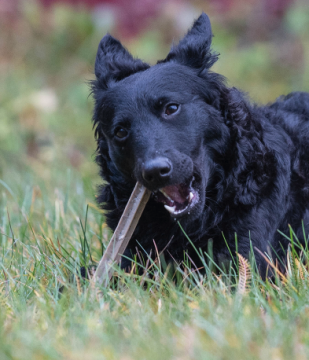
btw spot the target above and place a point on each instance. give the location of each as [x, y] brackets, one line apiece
[171, 109]
[121, 133]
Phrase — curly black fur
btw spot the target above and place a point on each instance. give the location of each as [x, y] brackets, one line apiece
[250, 163]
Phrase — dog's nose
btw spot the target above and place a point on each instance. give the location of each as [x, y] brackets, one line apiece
[156, 170]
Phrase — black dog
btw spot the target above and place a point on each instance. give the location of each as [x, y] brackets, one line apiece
[214, 162]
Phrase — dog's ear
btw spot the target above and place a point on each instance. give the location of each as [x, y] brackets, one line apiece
[194, 49]
[114, 62]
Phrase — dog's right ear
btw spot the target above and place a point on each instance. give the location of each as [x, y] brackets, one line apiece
[194, 49]
[114, 63]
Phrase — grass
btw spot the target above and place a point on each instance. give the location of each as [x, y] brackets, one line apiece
[50, 224]
[222, 316]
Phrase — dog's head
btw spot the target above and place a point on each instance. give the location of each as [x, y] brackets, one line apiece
[161, 125]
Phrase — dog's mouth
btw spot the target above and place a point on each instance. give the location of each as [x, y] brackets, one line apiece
[178, 199]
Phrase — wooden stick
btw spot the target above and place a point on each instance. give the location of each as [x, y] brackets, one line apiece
[122, 234]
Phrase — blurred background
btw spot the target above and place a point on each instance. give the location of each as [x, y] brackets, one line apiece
[47, 53]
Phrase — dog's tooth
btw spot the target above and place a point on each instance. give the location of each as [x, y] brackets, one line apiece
[170, 209]
[191, 196]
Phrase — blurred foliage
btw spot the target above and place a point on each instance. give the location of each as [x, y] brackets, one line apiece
[47, 57]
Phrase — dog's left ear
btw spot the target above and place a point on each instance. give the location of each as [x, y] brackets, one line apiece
[114, 62]
[194, 49]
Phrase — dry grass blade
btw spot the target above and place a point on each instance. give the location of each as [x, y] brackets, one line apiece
[291, 267]
[277, 271]
[78, 285]
[295, 268]
[244, 275]
[300, 267]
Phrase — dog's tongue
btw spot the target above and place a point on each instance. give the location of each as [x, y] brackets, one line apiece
[178, 193]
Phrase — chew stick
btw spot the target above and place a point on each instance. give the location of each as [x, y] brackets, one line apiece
[122, 234]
